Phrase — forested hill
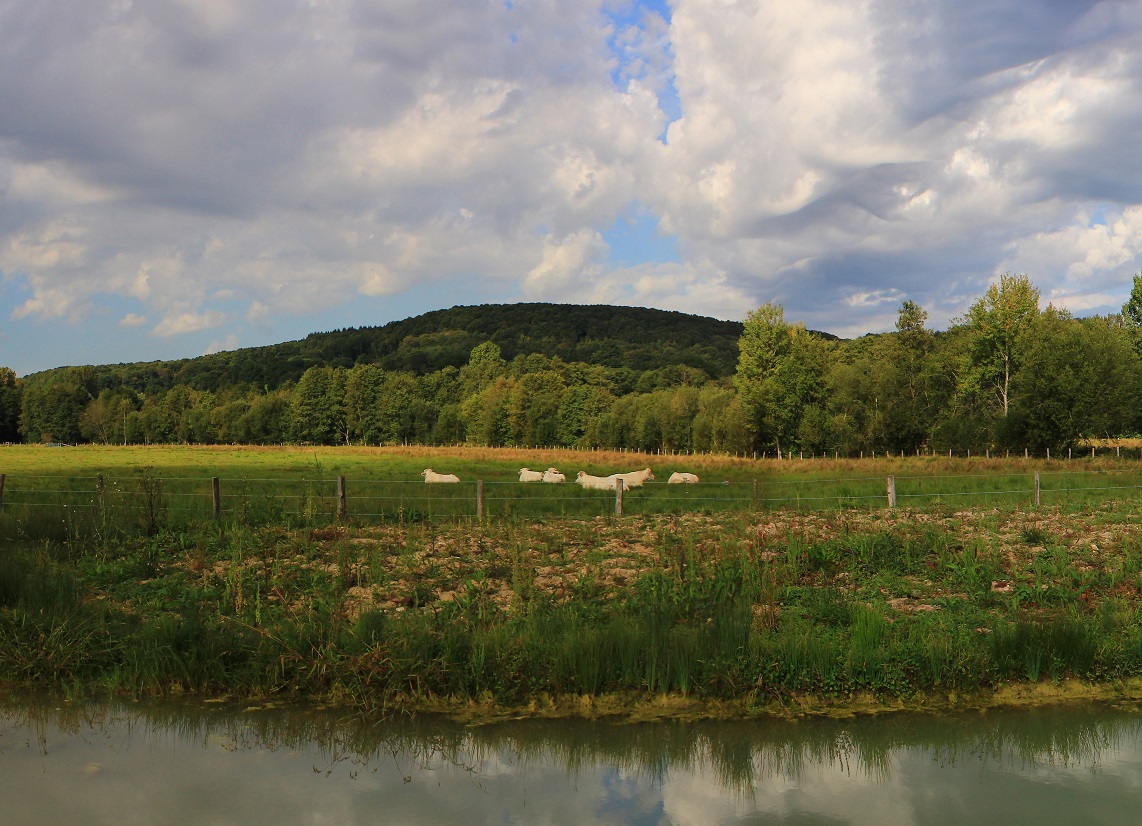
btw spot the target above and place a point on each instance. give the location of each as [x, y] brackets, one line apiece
[632, 337]
[1010, 376]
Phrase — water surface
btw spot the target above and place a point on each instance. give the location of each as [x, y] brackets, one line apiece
[160, 763]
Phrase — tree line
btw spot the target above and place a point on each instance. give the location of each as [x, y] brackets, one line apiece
[1009, 374]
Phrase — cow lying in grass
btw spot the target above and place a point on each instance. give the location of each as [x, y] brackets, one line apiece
[589, 482]
[634, 479]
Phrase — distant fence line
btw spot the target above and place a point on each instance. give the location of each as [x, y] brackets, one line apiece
[169, 499]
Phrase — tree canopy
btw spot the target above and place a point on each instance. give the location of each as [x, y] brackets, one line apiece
[1007, 375]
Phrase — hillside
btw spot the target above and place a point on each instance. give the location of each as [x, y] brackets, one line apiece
[632, 337]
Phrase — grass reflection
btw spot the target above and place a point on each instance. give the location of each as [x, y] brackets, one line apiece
[740, 755]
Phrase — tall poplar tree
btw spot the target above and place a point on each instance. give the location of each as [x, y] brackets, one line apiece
[995, 325]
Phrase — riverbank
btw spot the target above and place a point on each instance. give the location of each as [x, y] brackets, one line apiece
[698, 615]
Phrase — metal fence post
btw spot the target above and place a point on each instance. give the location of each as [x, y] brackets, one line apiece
[619, 497]
[892, 491]
[216, 497]
[479, 498]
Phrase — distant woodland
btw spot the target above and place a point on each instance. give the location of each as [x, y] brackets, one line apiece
[1009, 374]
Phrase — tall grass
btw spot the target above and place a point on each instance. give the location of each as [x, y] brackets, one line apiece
[715, 608]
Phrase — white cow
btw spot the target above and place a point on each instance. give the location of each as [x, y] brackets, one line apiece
[526, 475]
[680, 478]
[634, 479]
[553, 476]
[432, 477]
[590, 482]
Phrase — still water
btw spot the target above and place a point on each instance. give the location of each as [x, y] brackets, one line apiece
[169, 764]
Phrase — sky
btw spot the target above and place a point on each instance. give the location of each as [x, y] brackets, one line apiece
[180, 177]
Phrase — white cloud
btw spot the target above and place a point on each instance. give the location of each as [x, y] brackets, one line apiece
[571, 265]
[833, 157]
[132, 320]
[874, 298]
[258, 313]
[187, 322]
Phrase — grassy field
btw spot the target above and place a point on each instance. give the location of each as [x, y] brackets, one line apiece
[774, 603]
[72, 488]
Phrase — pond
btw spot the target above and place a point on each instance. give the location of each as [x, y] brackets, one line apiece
[165, 763]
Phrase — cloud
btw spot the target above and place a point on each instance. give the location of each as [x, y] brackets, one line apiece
[187, 322]
[202, 158]
[817, 139]
[258, 313]
[132, 320]
[570, 265]
[218, 346]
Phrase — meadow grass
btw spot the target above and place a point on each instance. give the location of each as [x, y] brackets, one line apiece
[56, 491]
[754, 607]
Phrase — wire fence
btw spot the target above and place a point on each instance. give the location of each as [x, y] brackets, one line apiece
[150, 502]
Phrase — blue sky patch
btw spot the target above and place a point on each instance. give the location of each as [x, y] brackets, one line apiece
[635, 239]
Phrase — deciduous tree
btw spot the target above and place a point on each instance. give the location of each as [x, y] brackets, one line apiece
[995, 325]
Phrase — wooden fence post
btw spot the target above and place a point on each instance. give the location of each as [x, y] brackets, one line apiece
[892, 491]
[342, 503]
[216, 497]
[99, 494]
[755, 494]
[479, 498]
[619, 497]
[1036, 488]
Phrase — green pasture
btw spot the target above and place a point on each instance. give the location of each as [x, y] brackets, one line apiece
[74, 490]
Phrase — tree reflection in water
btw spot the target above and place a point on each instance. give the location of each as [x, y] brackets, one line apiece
[740, 754]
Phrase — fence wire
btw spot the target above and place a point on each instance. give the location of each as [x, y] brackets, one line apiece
[179, 499]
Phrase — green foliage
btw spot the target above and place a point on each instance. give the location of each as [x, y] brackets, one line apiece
[1077, 379]
[1132, 313]
[10, 403]
[1004, 377]
[318, 412]
[780, 375]
[996, 325]
[50, 413]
